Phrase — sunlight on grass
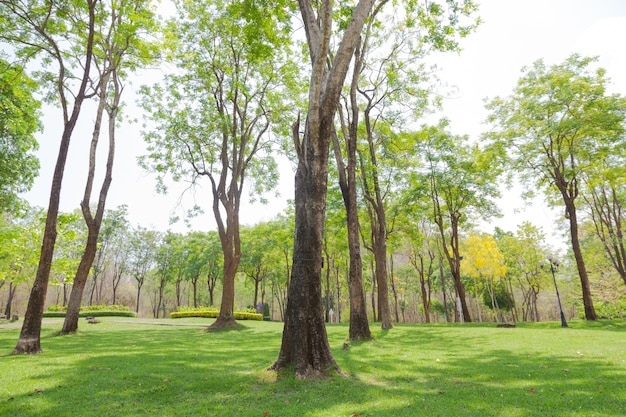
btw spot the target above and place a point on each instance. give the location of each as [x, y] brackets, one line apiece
[120, 368]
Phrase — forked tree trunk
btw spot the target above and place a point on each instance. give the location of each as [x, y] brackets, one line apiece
[359, 325]
[305, 343]
[70, 324]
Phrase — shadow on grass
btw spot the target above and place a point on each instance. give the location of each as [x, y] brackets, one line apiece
[131, 370]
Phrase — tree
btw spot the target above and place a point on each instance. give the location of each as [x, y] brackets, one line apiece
[19, 120]
[459, 180]
[219, 115]
[524, 254]
[558, 123]
[120, 46]
[142, 253]
[305, 343]
[388, 83]
[64, 34]
[108, 259]
[117, 230]
[484, 263]
[424, 248]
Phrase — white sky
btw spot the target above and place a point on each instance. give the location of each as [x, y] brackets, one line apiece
[514, 34]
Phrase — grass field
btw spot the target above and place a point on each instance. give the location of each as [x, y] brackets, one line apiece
[121, 368]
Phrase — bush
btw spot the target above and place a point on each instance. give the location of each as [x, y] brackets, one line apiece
[209, 312]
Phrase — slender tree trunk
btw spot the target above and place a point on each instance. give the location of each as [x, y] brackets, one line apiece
[393, 289]
[194, 283]
[373, 294]
[7, 310]
[359, 326]
[590, 312]
[425, 296]
[256, 287]
[70, 325]
[380, 259]
[443, 290]
[30, 335]
[139, 285]
[211, 286]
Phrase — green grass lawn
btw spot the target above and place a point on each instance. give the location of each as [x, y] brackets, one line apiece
[116, 368]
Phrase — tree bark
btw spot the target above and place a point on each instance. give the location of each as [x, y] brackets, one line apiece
[359, 325]
[70, 324]
[30, 334]
[7, 310]
[590, 312]
[305, 343]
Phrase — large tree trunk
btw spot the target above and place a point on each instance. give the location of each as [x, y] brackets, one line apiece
[590, 312]
[305, 343]
[226, 316]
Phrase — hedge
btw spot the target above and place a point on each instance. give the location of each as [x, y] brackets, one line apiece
[213, 313]
[96, 313]
[101, 307]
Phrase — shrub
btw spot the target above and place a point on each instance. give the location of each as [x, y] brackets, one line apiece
[210, 312]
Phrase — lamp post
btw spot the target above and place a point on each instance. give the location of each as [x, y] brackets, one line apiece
[554, 264]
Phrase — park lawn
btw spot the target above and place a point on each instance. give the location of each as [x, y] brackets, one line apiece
[117, 368]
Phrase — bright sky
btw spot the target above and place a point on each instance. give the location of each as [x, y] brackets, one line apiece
[514, 34]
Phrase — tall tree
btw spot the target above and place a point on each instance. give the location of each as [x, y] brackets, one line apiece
[120, 47]
[19, 120]
[484, 263]
[305, 343]
[142, 253]
[558, 123]
[389, 87]
[459, 180]
[219, 115]
[62, 35]
[115, 239]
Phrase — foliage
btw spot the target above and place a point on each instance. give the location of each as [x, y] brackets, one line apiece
[19, 121]
[558, 123]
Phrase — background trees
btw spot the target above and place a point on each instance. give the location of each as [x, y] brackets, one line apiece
[556, 126]
[19, 120]
[237, 55]
[408, 188]
[459, 180]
